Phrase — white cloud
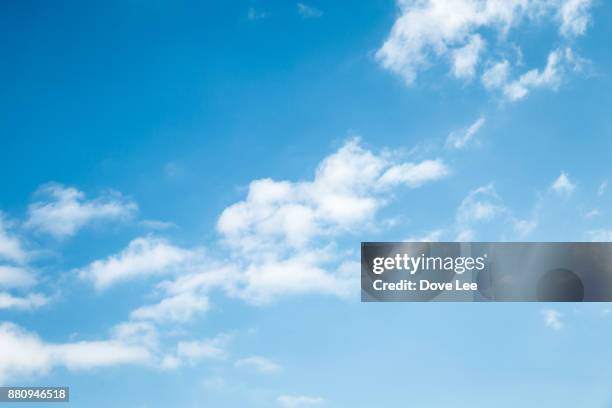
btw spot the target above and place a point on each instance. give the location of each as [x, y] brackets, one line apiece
[481, 204]
[496, 76]
[575, 17]
[143, 256]
[210, 348]
[24, 354]
[430, 30]
[66, 210]
[299, 401]
[563, 185]
[283, 233]
[28, 302]
[16, 277]
[553, 319]
[459, 140]
[415, 175]
[346, 192]
[550, 77]
[524, 227]
[466, 58]
[178, 308]
[308, 11]
[11, 248]
[190, 352]
[261, 364]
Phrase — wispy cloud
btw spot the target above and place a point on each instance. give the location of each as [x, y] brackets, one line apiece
[65, 210]
[460, 139]
[563, 185]
[259, 363]
[143, 256]
[435, 30]
[553, 319]
[27, 302]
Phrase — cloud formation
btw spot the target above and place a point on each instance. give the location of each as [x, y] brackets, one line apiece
[65, 210]
[142, 257]
[259, 363]
[24, 354]
[552, 318]
[460, 139]
[563, 185]
[428, 31]
[11, 248]
[283, 234]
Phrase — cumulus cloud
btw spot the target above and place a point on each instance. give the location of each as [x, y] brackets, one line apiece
[283, 233]
[563, 185]
[345, 192]
[143, 256]
[65, 210]
[24, 354]
[260, 364]
[553, 319]
[460, 139]
[430, 30]
[299, 401]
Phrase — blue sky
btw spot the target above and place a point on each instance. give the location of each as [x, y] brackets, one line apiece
[186, 185]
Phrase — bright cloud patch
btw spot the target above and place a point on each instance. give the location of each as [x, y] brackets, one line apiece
[552, 319]
[65, 210]
[24, 354]
[282, 234]
[143, 256]
[563, 185]
[430, 30]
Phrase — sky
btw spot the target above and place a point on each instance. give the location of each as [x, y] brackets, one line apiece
[185, 187]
